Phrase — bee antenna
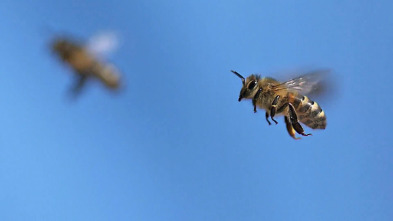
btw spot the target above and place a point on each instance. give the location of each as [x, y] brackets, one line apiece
[240, 76]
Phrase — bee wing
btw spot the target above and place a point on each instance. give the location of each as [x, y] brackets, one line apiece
[103, 43]
[311, 83]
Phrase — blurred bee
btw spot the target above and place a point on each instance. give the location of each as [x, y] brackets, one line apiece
[286, 98]
[85, 64]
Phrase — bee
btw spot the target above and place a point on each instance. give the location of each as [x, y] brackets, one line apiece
[286, 98]
[85, 64]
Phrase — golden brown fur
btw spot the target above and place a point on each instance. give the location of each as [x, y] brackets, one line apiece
[84, 63]
[264, 92]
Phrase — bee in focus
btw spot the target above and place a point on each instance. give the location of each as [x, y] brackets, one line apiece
[85, 64]
[286, 98]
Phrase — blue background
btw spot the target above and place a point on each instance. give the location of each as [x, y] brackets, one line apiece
[175, 144]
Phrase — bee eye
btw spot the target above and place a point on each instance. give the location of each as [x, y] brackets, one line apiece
[251, 85]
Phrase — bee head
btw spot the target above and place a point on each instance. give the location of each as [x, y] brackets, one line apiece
[63, 47]
[60, 45]
[250, 86]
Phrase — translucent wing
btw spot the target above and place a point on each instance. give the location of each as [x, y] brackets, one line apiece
[313, 82]
[103, 43]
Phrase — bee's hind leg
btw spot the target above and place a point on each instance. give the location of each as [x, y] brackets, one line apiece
[290, 129]
[76, 89]
[295, 123]
[274, 108]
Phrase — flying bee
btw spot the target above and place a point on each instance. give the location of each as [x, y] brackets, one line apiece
[286, 98]
[85, 64]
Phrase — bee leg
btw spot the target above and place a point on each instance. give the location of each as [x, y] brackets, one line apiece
[255, 98]
[281, 109]
[293, 119]
[79, 84]
[290, 129]
[267, 118]
[274, 108]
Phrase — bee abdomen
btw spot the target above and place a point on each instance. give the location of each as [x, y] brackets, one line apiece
[107, 73]
[309, 112]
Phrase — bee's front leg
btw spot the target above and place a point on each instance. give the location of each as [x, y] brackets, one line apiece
[274, 108]
[255, 98]
[295, 123]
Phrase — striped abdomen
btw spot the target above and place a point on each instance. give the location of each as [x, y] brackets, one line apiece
[106, 73]
[309, 112]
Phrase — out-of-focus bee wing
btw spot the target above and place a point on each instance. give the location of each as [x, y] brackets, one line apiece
[313, 82]
[103, 43]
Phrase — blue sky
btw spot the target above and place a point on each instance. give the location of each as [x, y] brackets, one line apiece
[175, 144]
